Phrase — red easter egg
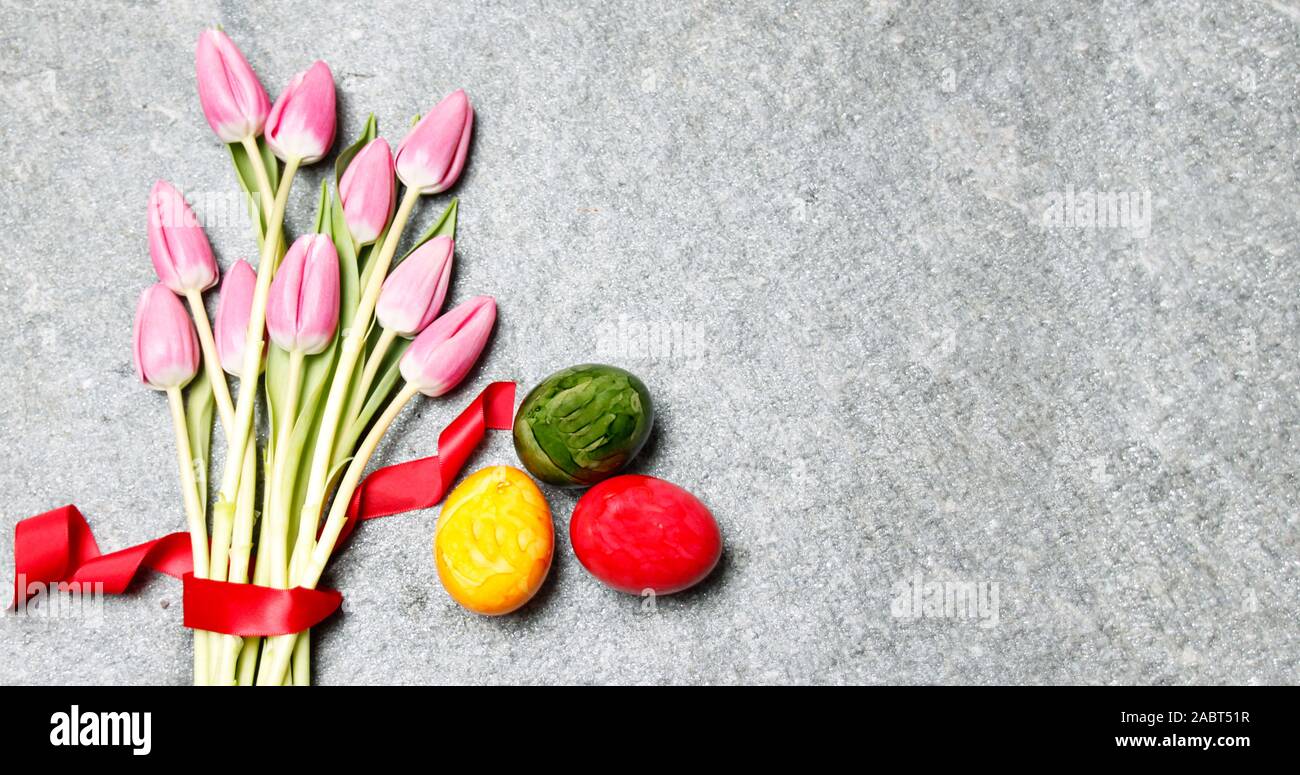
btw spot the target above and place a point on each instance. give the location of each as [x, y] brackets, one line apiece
[638, 533]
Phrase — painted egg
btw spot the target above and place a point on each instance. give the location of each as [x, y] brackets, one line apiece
[583, 424]
[638, 534]
[494, 541]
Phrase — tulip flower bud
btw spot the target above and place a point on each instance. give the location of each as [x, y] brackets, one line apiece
[443, 353]
[301, 124]
[432, 155]
[367, 191]
[179, 248]
[413, 294]
[302, 310]
[234, 102]
[165, 346]
[233, 310]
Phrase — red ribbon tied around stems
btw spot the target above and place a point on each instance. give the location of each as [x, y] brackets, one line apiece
[58, 547]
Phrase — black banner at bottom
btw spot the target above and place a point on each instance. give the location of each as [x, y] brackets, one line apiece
[317, 723]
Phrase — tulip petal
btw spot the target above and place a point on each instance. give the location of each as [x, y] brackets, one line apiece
[302, 309]
[179, 249]
[302, 121]
[233, 99]
[234, 307]
[413, 294]
[366, 190]
[432, 155]
[165, 347]
[443, 354]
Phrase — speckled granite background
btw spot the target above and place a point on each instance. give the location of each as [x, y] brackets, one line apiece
[831, 239]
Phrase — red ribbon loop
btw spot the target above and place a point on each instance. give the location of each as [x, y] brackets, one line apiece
[420, 484]
[58, 547]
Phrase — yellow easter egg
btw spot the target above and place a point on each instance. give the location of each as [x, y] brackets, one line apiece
[494, 541]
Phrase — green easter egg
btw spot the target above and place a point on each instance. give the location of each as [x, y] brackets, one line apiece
[583, 424]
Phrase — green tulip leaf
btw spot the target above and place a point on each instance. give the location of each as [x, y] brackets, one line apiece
[445, 226]
[385, 380]
[323, 212]
[272, 164]
[316, 378]
[349, 279]
[247, 177]
[277, 376]
[270, 419]
[248, 183]
[336, 472]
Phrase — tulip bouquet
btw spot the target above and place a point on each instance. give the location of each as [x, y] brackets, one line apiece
[354, 330]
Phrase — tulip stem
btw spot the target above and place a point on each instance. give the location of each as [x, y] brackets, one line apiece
[302, 659]
[247, 669]
[194, 516]
[238, 437]
[231, 548]
[241, 547]
[275, 660]
[373, 361]
[280, 499]
[263, 180]
[222, 526]
[211, 363]
[238, 542]
[339, 509]
[353, 345]
[253, 339]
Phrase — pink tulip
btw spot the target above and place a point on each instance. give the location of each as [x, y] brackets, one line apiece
[413, 294]
[432, 155]
[165, 347]
[233, 310]
[179, 248]
[302, 310]
[367, 191]
[301, 124]
[443, 353]
[234, 102]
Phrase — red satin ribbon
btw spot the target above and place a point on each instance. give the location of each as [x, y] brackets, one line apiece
[246, 609]
[57, 547]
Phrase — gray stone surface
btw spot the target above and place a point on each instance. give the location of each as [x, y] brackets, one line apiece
[881, 359]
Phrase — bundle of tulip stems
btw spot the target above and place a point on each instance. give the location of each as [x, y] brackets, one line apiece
[354, 335]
